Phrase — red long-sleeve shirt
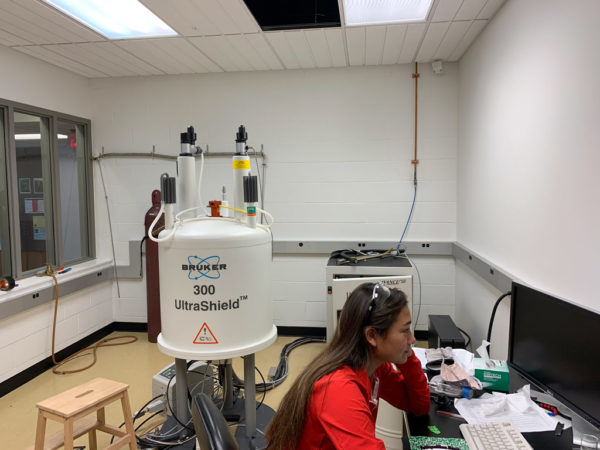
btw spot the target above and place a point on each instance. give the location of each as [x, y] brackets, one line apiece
[342, 415]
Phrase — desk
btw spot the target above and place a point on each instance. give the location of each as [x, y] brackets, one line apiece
[448, 426]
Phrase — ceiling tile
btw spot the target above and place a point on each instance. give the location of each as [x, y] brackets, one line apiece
[60, 61]
[89, 58]
[414, 36]
[394, 39]
[10, 39]
[119, 57]
[468, 38]
[469, 9]
[152, 52]
[283, 49]
[263, 48]
[319, 47]
[490, 8]
[301, 49]
[184, 16]
[222, 53]
[335, 40]
[48, 14]
[245, 48]
[433, 38]
[453, 37]
[356, 41]
[445, 10]
[375, 40]
[240, 15]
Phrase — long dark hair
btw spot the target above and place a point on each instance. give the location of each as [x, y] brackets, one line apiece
[347, 347]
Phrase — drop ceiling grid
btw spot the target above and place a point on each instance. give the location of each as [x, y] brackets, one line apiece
[355, 39]
[301, 49]
[394, 41]
[61, 61]
[375, 40]
[319, 47]
[433, 37]
[468, 38]
[283, 50]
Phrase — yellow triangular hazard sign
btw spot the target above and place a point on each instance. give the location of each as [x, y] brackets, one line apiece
[205, 336]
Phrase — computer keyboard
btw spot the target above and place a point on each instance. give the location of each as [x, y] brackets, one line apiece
[493, 436]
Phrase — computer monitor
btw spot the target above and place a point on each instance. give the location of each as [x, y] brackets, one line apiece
[556, 345]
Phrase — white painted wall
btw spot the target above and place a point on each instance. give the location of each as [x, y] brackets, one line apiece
[25, 338]
[338, 142]
[528, 154]
[28, 80]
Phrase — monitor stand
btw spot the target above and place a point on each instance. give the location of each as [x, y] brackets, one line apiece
[579, 424]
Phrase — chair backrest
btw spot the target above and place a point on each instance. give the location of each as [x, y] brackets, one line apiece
[210, 426]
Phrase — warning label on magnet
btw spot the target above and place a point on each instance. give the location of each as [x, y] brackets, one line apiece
[205, 336]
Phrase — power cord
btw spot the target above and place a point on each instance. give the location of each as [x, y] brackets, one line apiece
[489, 334]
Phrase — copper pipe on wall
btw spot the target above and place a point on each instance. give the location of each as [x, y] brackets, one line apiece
[415, 161]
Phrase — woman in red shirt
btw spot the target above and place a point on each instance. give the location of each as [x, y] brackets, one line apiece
[333, 402]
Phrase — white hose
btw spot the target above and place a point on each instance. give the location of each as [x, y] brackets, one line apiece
[180, 213]
[199, 188]
[268, 214]
[153, 224]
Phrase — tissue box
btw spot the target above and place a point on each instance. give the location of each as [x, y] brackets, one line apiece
[493, 378]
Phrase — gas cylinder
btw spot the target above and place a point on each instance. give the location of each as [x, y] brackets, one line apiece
[152, 272]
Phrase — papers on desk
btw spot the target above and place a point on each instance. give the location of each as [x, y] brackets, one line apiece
[498, 407]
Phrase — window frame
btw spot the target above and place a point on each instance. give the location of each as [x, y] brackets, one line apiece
[10, 107]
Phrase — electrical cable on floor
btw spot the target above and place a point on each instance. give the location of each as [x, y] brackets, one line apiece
[282, 368]
[264, 391]
[91, 349]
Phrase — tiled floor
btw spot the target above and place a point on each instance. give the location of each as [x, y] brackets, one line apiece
[134, 364]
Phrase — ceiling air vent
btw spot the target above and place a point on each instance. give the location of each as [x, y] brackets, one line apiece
[274, 15]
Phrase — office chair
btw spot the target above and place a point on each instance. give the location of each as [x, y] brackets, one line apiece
[210, 426]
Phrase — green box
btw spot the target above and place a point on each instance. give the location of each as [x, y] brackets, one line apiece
[493, 378]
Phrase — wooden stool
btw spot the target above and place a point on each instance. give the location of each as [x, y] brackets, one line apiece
[72, 405]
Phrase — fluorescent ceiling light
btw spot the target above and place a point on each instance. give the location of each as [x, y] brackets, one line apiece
[371, 12]
[115, 19]
[31, 137]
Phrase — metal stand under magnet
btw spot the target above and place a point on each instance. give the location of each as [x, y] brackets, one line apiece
[252, 421]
